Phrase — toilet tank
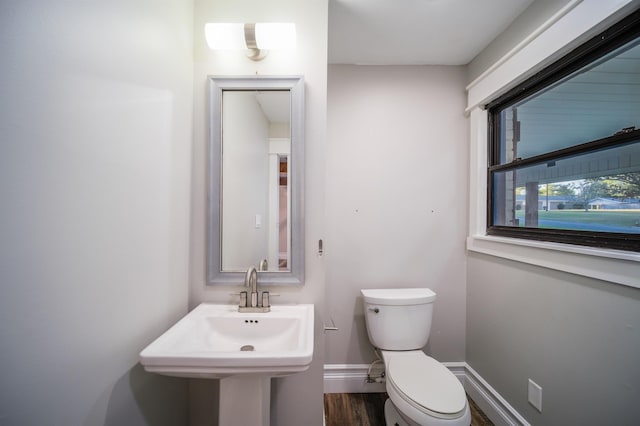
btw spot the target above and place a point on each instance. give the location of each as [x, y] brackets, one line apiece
[398, 319]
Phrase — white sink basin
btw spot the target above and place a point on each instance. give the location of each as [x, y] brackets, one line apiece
[216, 341]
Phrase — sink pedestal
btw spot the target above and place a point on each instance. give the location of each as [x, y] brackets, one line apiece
[244, 350]
[245, 400]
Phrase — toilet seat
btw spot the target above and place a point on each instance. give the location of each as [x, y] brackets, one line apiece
[425, 384]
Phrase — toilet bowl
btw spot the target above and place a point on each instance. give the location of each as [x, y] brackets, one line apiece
[422, 391]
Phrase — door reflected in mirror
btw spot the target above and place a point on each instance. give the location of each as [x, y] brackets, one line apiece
[256, 179]
[256, 150]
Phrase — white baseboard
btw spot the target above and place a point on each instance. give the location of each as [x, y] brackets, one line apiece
[351, 378]
[499, 411]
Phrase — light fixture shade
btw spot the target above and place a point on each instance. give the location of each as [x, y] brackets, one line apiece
[271, 36]
[221, 36]
[258, 39]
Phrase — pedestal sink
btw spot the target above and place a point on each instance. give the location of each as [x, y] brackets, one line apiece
[244, 350]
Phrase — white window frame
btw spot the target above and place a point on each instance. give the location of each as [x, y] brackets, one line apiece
[578, 21]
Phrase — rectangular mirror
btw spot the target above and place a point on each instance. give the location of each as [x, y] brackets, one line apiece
[256, 178]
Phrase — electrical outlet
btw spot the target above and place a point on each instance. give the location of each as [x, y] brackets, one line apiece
[535, 395]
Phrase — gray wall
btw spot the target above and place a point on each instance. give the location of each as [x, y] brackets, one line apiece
[578, 338]
[95, 124]
[396, 198]
[531, 19]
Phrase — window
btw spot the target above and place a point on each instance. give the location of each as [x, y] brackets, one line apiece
[564, 151]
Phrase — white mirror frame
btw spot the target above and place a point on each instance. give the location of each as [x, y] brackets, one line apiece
[217, 85]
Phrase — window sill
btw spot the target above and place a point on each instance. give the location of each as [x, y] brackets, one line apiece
[616, 266]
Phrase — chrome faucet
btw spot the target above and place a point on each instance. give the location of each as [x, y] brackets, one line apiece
[251, 282]
[253, 303]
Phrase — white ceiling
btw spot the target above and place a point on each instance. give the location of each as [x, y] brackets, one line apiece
[275, 105]
[416, 32]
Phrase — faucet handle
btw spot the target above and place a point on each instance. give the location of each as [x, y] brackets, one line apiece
[243, 298]
[265, 299]
[264, 265]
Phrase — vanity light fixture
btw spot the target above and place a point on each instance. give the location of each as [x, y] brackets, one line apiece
[257, 38]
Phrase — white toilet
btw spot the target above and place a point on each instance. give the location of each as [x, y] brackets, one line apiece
[422, 392]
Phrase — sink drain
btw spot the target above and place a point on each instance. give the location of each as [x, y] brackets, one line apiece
[247, 348]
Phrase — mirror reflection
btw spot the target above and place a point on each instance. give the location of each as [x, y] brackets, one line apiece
[256, 179]
[256, 156]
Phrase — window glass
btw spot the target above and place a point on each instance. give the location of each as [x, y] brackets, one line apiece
[606, 197]
[594, 102]
[565, 148]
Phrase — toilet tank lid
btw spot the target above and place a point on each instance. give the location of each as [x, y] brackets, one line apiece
[398, 296]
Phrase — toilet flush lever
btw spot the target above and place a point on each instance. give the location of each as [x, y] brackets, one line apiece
[375, 310]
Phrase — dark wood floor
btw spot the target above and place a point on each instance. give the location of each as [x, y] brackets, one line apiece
[367, 409]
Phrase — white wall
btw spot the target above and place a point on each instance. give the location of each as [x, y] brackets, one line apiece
[396, 189]
[245, 167]
[95, 125]
[297, 399]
